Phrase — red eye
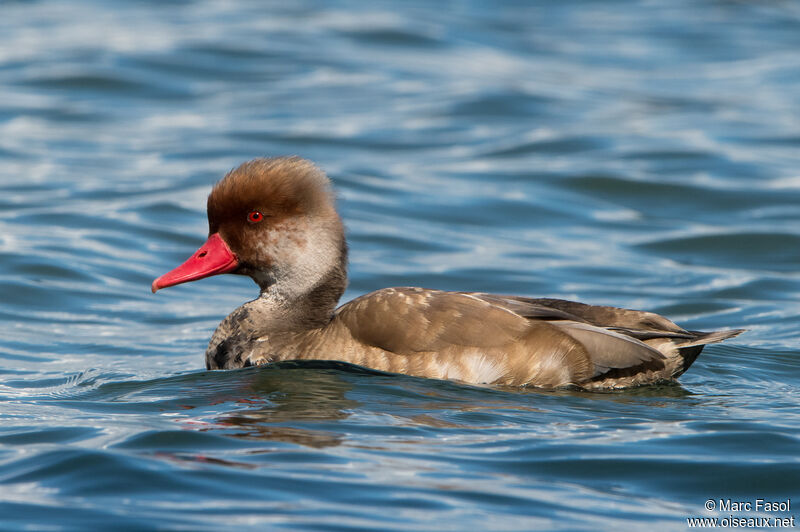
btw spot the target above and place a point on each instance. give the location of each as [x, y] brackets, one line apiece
[254, 217]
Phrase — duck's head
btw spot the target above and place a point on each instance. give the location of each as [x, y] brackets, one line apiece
[274, 220]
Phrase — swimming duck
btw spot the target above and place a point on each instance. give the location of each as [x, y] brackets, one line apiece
[275, 220]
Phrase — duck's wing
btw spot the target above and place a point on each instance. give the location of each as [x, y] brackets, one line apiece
[638, 324]
[633, 322]
[680, 346]
[612, 336]
[409, 321]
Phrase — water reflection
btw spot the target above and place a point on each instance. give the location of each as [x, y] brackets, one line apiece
[281, 396]
[298, 402]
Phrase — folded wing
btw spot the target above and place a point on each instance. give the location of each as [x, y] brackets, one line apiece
[542, 334]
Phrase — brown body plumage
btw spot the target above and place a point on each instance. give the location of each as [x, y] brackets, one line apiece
[275, 220]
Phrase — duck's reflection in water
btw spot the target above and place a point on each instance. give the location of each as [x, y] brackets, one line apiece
[308, 403]
[278, 398]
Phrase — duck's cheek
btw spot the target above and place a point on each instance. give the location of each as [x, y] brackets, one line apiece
[261, 255]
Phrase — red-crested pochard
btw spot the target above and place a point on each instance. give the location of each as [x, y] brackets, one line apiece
[275, 220]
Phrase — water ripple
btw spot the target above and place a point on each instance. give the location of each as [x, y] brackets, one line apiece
[623, 153]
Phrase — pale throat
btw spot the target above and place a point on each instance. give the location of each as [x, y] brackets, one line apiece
[301, 260]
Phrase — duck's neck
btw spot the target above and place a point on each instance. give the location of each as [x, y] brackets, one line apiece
[299, 302]
[277, 311]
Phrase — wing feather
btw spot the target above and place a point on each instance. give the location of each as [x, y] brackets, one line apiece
[409, 320]
[416, 320]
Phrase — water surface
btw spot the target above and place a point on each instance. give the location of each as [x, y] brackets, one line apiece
[622, 152]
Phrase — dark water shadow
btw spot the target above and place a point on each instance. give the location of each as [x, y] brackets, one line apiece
[283, 395]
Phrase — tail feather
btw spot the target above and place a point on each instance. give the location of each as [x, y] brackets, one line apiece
[690, 350]
[703, 338]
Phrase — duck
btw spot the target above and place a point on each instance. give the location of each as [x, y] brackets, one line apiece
[275, 220]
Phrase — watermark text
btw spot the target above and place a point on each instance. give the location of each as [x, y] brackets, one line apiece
[730, 507]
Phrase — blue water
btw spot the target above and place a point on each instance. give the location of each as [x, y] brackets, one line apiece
[634, 153]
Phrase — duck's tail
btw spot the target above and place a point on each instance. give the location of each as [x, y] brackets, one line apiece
[691, 348]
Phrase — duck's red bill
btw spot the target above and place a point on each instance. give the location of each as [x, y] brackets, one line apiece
[213, 257]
